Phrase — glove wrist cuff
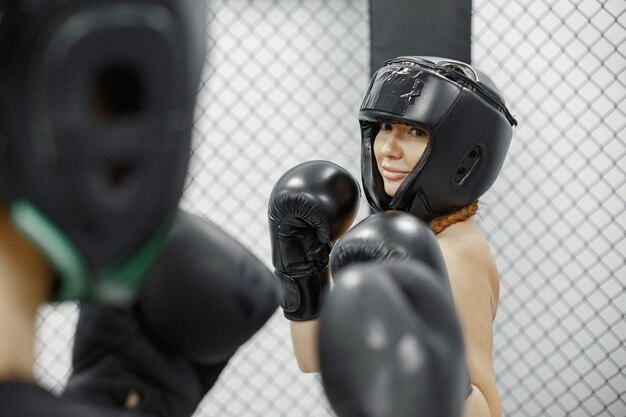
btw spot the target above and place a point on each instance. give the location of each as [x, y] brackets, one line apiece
[304, 293]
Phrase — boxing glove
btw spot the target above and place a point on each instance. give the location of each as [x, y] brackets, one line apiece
[388, 235]
[207, 294]
[309, 208]
[118, 367]
[390, 343]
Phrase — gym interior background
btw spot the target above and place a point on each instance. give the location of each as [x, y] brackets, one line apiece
[282, 85]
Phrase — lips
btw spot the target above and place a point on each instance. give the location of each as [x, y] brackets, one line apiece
[393, 174]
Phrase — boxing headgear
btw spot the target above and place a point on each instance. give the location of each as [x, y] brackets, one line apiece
[470, 131]
[96, 110]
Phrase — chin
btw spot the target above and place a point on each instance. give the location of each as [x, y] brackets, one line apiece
[390, 190]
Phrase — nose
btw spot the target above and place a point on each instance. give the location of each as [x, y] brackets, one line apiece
[391, 145]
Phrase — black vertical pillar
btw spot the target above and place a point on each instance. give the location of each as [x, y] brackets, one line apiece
[420, 27]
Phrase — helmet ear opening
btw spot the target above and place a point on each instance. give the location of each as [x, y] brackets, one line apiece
[467, 165]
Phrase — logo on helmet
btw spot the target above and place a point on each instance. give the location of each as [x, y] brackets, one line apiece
[416, 88]
[395, 89]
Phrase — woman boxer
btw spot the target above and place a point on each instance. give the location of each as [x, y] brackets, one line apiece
[435, 133]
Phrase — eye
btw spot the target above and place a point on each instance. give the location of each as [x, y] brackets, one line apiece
[418, 132]
[386, 126]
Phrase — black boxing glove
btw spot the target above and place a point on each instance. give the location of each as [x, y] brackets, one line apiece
[207, 294]
[119, 367]
[390, 343]
[310, 207]
[388, 235]
[204, 297]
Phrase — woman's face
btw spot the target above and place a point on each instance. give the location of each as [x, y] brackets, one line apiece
[397, 149]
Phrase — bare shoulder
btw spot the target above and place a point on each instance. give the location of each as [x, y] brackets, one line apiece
[466, 238]
[468, 256]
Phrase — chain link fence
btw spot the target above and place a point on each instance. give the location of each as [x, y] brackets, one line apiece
[557, 223]
[282, 85]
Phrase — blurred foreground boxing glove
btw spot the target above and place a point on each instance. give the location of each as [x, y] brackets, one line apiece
[390, 343]
[118, 367]
[310, 207]
[388, 235]
[207, 294]
[204, 297]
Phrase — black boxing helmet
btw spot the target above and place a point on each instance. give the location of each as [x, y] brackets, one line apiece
[470, 131]
[96, 110]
